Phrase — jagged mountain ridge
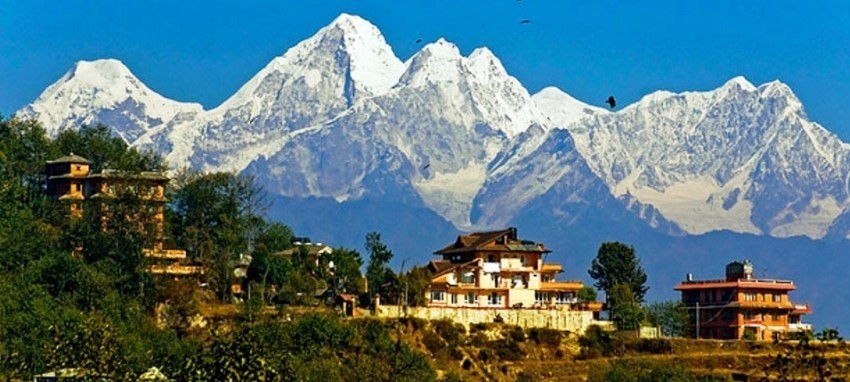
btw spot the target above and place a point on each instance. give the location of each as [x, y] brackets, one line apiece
[340, 116]
[740, 157]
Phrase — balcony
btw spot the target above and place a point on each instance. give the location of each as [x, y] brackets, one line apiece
[800, 327]
[171, 254]
[177, 270]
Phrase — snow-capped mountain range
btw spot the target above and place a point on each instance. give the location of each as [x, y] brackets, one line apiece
[340, 117]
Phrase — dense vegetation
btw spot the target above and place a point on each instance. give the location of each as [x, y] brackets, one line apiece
[75, 293]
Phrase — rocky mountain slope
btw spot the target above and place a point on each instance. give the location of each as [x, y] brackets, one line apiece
[340, 117]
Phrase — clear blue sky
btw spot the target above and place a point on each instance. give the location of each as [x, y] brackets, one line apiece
[202, 51]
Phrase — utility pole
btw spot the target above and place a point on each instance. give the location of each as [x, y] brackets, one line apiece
[404, 297]
[697, 317]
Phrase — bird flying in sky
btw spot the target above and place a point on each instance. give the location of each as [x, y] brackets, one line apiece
[611, 102]
[525, 21]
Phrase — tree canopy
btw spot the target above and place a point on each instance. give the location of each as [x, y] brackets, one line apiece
[617, 263]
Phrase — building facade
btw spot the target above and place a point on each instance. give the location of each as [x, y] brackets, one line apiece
[742, 306]
[71, 181]
[498, 270]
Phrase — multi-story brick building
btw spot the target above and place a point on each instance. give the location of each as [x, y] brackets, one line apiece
[71, 181]
[498, 270]
[742, 306]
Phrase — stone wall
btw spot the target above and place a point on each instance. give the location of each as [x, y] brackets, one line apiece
[560, 319]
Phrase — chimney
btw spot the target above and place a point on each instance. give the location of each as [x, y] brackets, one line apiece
[512, 233]
[689, 277]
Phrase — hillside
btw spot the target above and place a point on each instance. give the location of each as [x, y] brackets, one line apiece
[348, 138]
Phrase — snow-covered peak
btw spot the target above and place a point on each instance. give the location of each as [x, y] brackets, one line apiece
[651, 99]
[484, 64]
[439, 61]
[103, 72]
[352, 23]
[374, 66]
[562, 108]
[777, 89]
[740, 82]
[93, 86]
[350, 44]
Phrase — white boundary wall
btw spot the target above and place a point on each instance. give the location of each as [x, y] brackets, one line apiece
[565, 320]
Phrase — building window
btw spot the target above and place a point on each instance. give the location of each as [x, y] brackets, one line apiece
[749, 296]
[541, 298]
[471, 299]
[777, 298]
[567, 298]
[776, 317]
[438, 295]
[494, 299]
[454, 299]
[749, 316]
[467, 278]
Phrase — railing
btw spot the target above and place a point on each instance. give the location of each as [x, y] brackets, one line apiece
[802, 308]
[755, 281]
[801, 327]
[176, 270]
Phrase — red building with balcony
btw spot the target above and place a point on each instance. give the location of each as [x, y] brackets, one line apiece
[741, 306]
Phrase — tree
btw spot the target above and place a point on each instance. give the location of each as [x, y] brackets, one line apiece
[214, 216]
[587, 295]
[415, 284]
[274, 237]
[671, 316]
[377, 271]
[106, 150]
[346, 277]
[625, 311]
[616, 263]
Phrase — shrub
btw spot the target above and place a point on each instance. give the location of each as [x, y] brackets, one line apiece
[515, 333]
[481, 327]
[414, 322]
[433, 343]
[486, 355]
[455, 353]
[597, 342]
[508, 350]
[478, 339]
[450, 331]
[653, 346]
[545, 336]
[451, 377]
[640, 370]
